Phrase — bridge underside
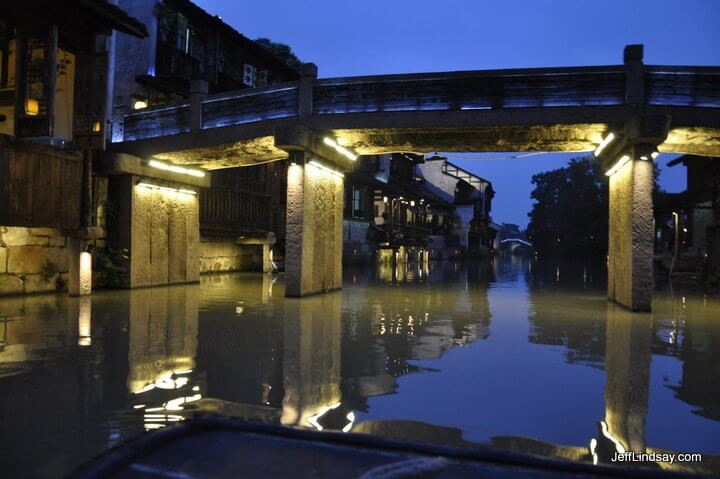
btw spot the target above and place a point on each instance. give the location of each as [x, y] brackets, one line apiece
[217, 152]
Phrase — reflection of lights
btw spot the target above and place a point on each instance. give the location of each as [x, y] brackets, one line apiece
[166, 381]
[138, 406]
[148, 387]
[593, 447]
[618, 446]
[175, 168]
[351, 418]
[313, 420]
[84, 321]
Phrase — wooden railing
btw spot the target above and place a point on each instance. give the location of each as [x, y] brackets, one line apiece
[226, 211]
[40, 185]
[451, 91]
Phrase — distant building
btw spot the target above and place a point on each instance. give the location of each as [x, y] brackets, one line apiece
[697, 212]
[244, 208]
[471, 195]
[388, 213]
[402, 206]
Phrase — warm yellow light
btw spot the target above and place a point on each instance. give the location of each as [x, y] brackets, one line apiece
[313, 420]
[32, 107]
[320, 166]
[175, 168]
[96, 127]
[84, 318]
[340, 149]
[167, 189]
[412, 202]
[620, 163]
[385, 199]
[139, 104]
[603, 144]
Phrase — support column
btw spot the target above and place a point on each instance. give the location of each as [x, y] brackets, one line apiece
[630, 249]
[313, 257]
[80, 277]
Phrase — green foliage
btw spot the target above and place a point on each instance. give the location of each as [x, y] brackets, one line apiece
[570, 215]
[112, 266]
[49, 271]
[280, 50]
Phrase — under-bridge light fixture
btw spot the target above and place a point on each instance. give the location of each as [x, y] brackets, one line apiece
[603, 144]
[176, 169]
[340, 149]
[139, 104]
[167, 189]
[320, 166]
[616, 167]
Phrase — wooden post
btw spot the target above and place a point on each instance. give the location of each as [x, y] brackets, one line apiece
[198, 91]
[308, 75]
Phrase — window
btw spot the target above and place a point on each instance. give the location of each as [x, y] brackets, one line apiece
[357, 194]
[262, 78]
[249, 75]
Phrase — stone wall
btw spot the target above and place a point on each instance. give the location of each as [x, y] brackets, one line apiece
[161, 231]
[222, 255]
[33, 260]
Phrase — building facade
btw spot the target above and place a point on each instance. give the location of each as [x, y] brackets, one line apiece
[473, 232]
[403, 207]
[53, 118]
[687, 224]
[242, 213]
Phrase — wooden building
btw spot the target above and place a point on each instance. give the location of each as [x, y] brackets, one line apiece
[244, 207]
[388, 209]
[691, 220]
[53, 94]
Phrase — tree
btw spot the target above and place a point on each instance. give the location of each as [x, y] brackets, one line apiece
[280, 50]
[570, 215]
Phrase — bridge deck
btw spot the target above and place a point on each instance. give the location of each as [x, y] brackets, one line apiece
[542, 109]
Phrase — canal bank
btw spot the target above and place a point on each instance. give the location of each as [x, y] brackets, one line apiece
[505, 353]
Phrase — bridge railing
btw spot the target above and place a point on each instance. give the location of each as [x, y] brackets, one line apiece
[449, 91]
[683, 86]
[218, 110]
[475, 90]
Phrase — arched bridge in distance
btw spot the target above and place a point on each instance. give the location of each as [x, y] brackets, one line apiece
[514, 243]
[626, 113]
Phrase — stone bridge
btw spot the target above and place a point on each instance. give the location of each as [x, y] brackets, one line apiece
[626, 113]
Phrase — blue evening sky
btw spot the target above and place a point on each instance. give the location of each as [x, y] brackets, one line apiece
[403, 36]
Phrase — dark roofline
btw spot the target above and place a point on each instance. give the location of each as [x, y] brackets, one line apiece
[224, 27]
[466, 171]
[686, 158]
[118, 17]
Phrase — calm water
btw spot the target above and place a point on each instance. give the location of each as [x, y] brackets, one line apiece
[505, 354]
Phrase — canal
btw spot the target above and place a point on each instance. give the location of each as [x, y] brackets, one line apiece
[509, 354]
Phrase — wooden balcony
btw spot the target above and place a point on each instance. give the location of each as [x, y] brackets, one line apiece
[40, 185]
[232, 212]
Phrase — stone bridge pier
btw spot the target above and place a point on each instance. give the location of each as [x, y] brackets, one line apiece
[628, 160]
[315, 195]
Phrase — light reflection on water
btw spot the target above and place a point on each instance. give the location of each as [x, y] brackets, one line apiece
[512, 354]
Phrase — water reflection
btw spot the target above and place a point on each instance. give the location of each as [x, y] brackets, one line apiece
[505, 353]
